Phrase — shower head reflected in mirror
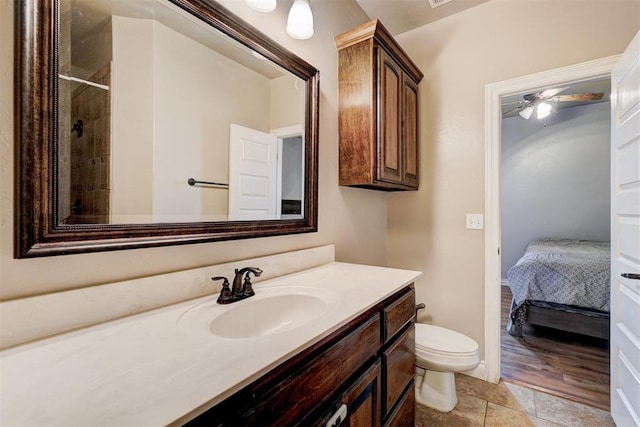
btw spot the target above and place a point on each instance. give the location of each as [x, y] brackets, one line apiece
[78, 128]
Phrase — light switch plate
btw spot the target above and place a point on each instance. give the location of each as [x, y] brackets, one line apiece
[475, 221]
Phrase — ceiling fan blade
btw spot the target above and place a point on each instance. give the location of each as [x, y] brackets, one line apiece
[545, 94]
[578, 97]
[520, 101]
[513, 110]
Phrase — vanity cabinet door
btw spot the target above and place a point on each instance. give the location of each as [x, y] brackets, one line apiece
[361, 400]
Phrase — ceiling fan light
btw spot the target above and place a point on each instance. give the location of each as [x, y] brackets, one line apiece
[543, 109]
[526, 112]
[261, 5]
[300, 20]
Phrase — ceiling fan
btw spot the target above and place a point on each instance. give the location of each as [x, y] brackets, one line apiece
[540, 101]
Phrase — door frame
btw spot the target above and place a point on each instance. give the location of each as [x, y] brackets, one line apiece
[598, 68]
[283, 133]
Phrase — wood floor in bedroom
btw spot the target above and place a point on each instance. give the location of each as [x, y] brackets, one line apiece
[568, 365]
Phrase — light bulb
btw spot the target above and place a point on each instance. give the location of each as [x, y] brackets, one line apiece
[543, 109]
[300, 20]
[261, 5]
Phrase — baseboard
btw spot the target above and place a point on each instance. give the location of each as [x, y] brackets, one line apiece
[504, 282]
[479, 373]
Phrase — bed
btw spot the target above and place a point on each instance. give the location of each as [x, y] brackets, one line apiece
[561, 284]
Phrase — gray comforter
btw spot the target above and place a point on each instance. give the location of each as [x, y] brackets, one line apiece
[571, 272]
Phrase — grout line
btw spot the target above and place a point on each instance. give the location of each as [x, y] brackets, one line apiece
[486, 410]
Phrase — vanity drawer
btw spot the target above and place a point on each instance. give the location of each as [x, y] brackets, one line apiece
[398, 362]
[397, 314]
[404, 415]
[316, 380]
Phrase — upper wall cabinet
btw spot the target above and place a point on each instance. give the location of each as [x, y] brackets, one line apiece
[378, 110]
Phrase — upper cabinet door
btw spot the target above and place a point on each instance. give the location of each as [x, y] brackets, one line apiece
[410, 131]
[389, 147]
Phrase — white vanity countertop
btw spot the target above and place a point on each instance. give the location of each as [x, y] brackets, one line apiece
[144, 370]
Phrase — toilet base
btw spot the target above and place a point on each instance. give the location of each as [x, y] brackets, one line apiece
[436, 390]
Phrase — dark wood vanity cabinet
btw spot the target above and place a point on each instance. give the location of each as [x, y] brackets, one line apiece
[378, 110]
[367, 366]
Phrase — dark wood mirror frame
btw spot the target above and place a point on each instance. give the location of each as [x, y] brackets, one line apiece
[36, 230]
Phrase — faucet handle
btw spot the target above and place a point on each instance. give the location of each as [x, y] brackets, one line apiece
[247, 288]
[225, 293]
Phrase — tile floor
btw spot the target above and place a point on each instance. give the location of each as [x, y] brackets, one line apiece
[506, 404]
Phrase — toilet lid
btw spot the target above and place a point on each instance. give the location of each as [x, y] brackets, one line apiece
[444, 340]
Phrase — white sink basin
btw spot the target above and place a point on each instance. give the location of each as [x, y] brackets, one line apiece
[272, 310]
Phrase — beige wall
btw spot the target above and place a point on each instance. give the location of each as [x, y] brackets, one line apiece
[90, 51]
[459, 55]
[191, 123]
[287, 95]
[355, 220]
[132, 124]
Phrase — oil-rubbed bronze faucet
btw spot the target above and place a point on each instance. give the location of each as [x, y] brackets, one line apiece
[244, 288]
[240, 289]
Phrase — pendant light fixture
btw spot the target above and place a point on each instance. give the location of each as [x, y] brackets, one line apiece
[262, 5]
[300, 20]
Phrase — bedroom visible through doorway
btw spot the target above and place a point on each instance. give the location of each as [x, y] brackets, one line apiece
[494, 252]
[554, 210]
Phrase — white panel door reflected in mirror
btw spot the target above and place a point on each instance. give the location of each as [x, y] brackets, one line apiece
[265, 173]
[253, 173]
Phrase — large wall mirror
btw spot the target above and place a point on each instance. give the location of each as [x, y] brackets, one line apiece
[157, 122]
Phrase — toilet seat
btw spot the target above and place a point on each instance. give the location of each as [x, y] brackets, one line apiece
[444, 350]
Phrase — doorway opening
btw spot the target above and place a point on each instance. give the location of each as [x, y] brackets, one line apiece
[291, 175]
[494, 315]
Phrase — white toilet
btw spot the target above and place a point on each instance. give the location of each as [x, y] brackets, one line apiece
[439, 353]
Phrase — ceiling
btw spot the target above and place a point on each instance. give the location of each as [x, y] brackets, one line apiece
[85, 17]
[512, 104]
[399, 16]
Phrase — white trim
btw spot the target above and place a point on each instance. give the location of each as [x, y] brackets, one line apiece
[86, 82]
[279, 180]
[285, 132]
[493, 126]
